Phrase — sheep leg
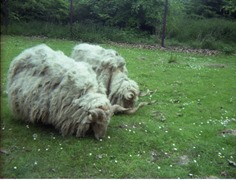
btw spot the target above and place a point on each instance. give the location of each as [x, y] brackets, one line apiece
[142, 104]
[118, 109]
[142, 94]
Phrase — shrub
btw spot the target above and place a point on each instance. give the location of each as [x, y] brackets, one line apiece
[228, 50]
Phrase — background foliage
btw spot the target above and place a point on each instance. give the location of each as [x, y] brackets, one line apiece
[197, 23]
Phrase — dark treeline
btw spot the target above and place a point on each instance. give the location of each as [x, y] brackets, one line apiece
[132, 16]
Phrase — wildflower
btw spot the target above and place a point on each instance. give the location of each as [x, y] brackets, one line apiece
[195, 161]
[108, 137]
[35, 136]
[116, 161]
[35, 163]
[158, 167]
[15, 167]
[90, 154]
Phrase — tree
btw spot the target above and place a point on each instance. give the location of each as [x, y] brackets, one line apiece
[71, 18]
[5, 13]
[206, 8]
[164, 24]
[230, 7]
[55, 11]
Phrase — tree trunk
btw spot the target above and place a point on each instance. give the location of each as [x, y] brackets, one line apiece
[71, 18]
[164, 24]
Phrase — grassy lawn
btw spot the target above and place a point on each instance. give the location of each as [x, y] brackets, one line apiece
[178, 137]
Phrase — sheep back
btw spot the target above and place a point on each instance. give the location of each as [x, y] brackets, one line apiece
[111, 72]
[47, 86]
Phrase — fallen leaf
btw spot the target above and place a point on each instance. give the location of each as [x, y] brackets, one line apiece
[3, 151]
[232, 163]
[229, 132]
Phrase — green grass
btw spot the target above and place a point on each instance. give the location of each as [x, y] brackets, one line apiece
[196, 100]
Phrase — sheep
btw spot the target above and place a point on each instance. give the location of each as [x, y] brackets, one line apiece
[46, 86]
[111, 71]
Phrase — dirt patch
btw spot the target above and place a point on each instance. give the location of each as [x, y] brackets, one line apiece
[158, 116]
[174, 49]
[228, 132]
[216, 65]
[184, 160]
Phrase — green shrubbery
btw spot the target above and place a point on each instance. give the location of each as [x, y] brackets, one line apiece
[204, 33]
[214, 34]
[89, 32]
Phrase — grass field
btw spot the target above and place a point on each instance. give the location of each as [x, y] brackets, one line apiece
[178, 137]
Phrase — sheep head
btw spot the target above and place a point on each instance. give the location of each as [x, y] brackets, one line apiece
[124, 92]
[99, 118]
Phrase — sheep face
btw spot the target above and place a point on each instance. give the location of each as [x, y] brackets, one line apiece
[130, 94]
[124, 91]
[100, 118]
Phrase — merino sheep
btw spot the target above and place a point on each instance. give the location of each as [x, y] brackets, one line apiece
[47, 86]
[112, 73]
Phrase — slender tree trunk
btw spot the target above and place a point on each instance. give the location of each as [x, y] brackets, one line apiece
[164, 24]
[71, 18]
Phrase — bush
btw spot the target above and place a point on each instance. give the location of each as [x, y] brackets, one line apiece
[188, 29]
[87, 31]
[205, 33]
[228, 50]
[209, 43]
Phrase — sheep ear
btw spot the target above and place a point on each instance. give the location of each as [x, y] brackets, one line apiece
[92, 115]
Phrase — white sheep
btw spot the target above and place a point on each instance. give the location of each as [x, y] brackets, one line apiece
[46, 86]
[112, 73]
